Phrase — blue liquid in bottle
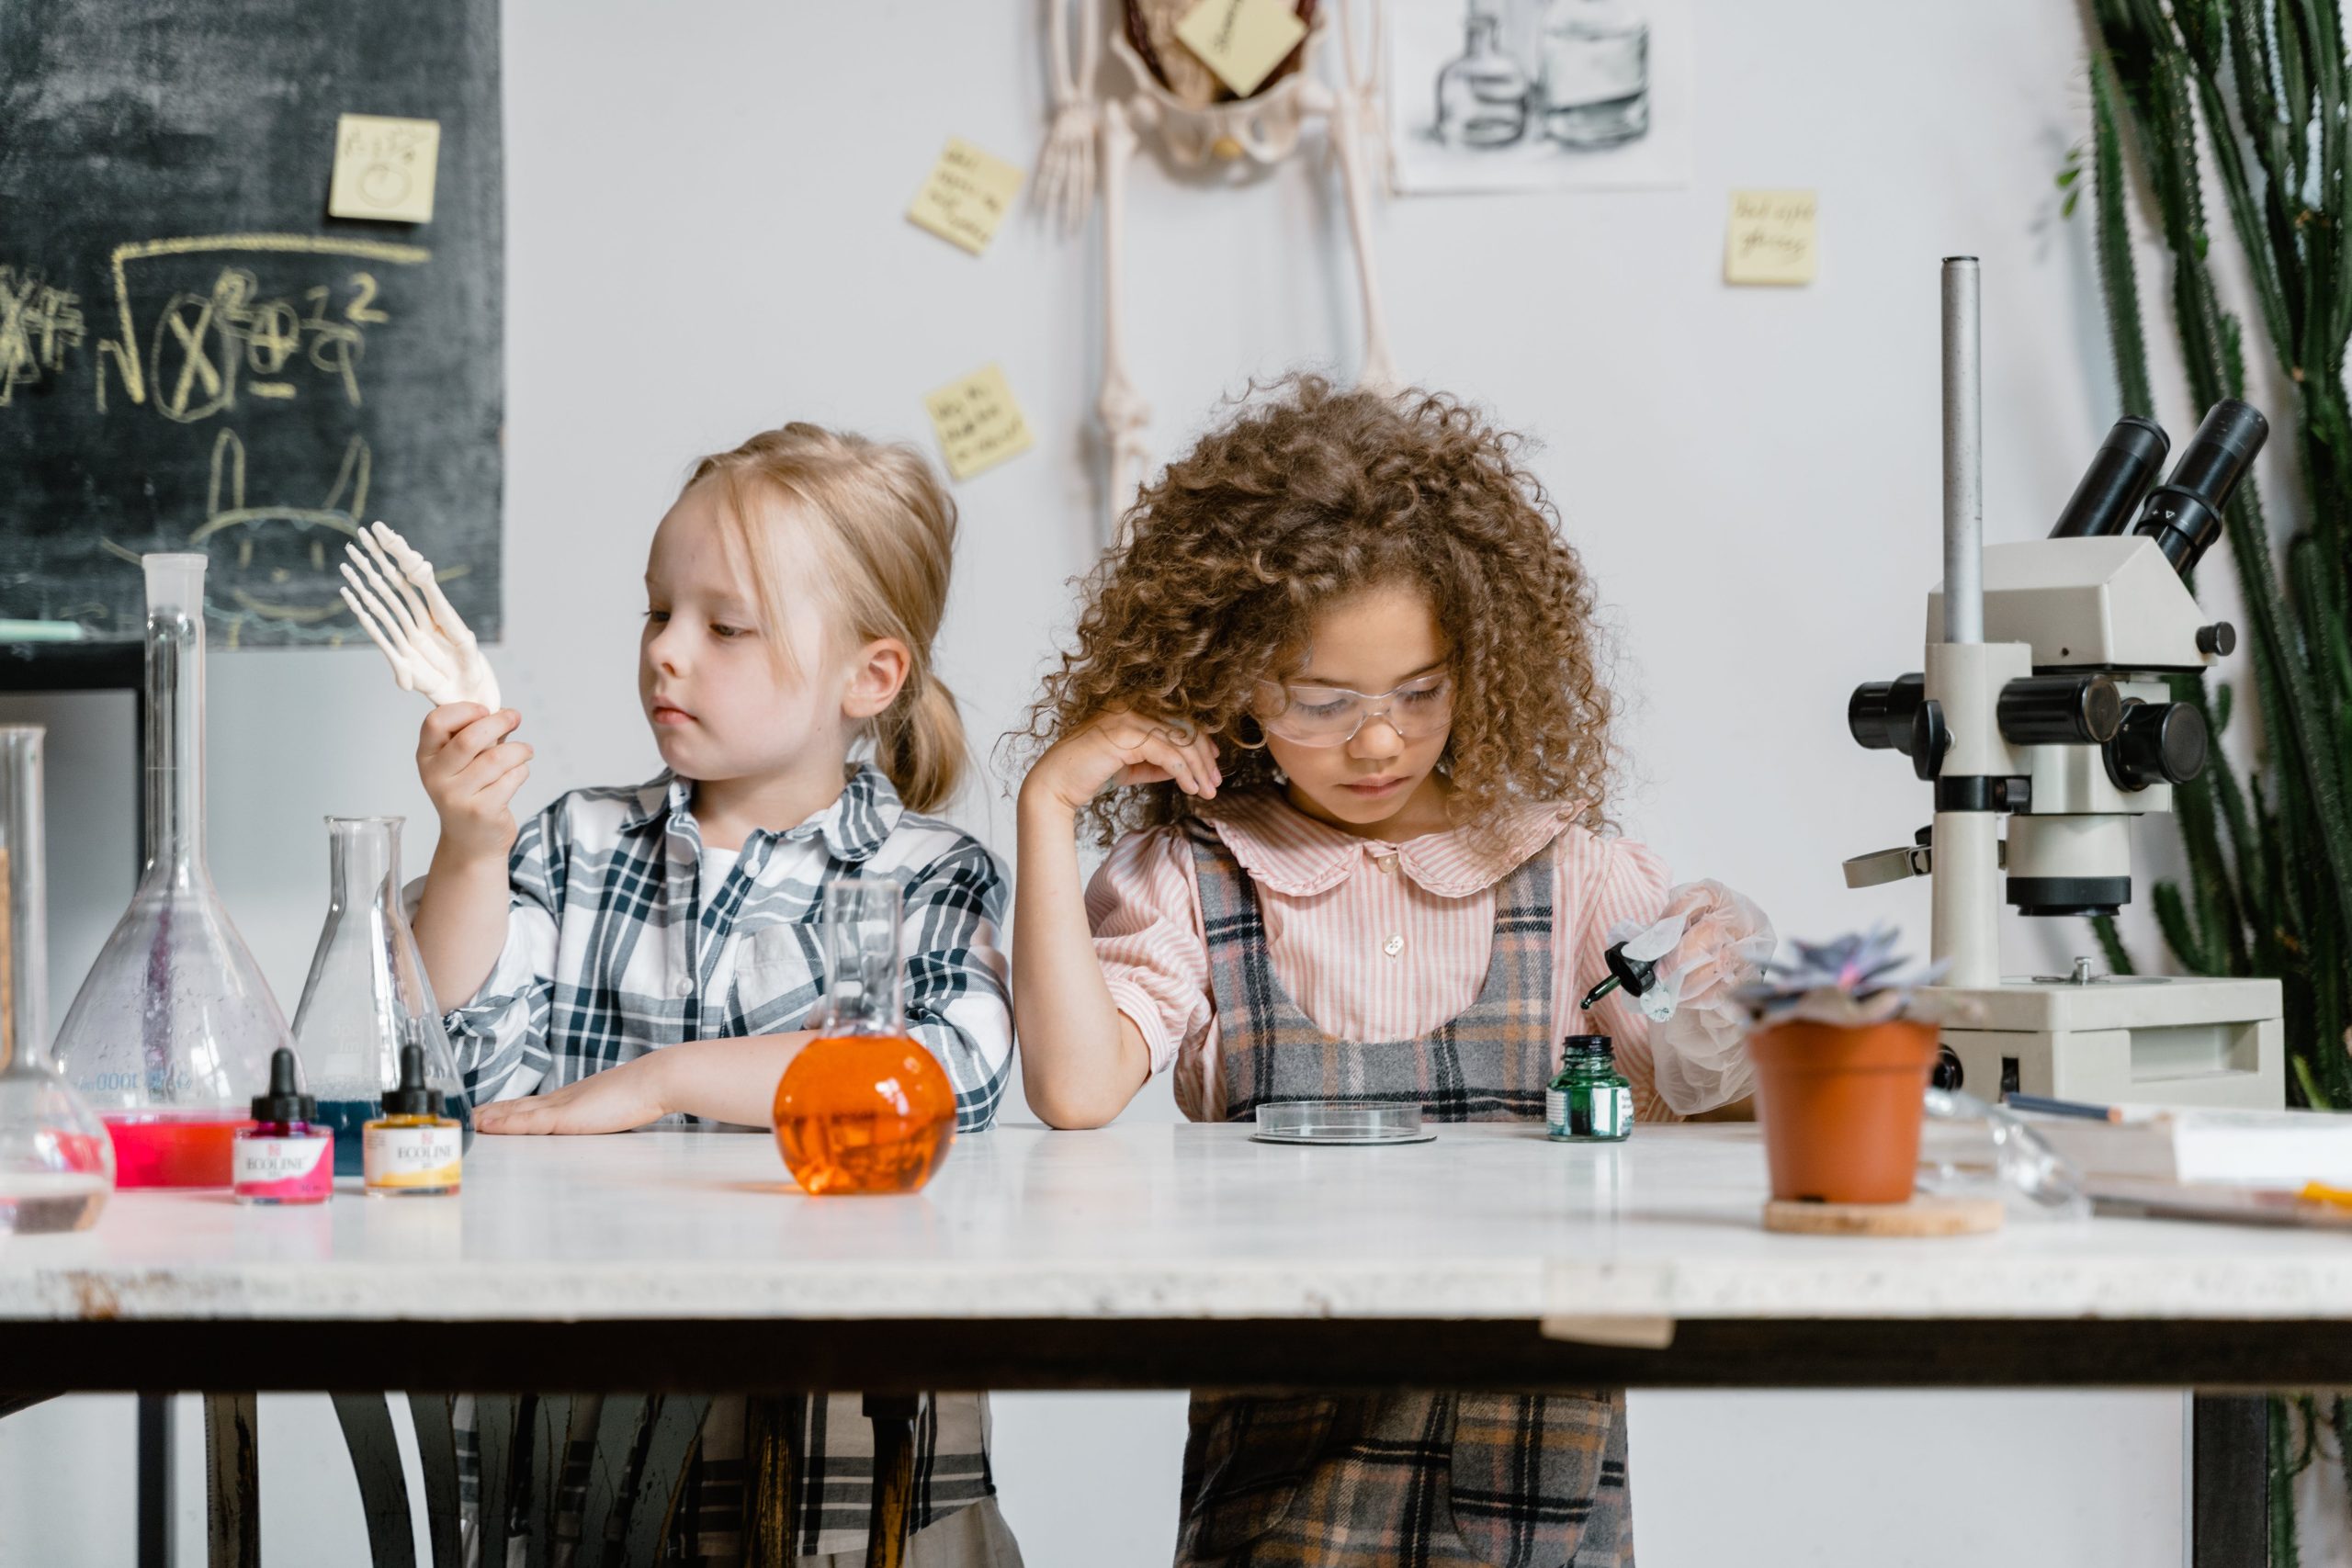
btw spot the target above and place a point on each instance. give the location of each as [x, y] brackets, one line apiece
[348, 1117]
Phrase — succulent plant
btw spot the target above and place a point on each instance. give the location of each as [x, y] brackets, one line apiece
[1854, 980]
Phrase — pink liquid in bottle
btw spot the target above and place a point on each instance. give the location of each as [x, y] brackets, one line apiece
[162, 1149]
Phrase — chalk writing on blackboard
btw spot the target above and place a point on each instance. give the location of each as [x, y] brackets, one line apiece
[219, 335]
[39, 326]
[280, 575]
[207, 339]
[170, 271]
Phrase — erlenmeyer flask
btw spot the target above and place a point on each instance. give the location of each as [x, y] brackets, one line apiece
[56, 1165]
[864, 1106]
[171, 1035]
[367, 994]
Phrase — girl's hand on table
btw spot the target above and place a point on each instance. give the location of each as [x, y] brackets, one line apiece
[1122, 748]
[611, 1101]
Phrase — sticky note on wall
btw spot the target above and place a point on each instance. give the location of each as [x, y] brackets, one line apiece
[1241, 40]
[1771, 237]
[978, 424]
[965, 196]
[383, 168]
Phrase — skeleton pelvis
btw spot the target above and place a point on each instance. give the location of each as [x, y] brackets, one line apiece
[1259, 129]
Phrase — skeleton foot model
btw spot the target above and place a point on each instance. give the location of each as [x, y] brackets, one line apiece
[396, 598]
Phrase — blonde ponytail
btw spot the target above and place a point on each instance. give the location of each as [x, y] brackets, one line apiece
[881, 529]
[919, 742]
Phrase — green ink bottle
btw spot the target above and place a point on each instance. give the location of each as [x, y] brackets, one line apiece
[1590, 1102]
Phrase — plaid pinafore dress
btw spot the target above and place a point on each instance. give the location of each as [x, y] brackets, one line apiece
[1437, 1479]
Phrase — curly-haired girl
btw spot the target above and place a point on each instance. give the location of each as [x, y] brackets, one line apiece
[1335, 705]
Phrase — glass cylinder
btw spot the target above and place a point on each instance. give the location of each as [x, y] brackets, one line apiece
[864, 1106]
[171, 1034]
[56, 1164]
[367, 994]
[1596, 80]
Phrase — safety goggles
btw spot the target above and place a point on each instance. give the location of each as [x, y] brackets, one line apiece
[1330, 716]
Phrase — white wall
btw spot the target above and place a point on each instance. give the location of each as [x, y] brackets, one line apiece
[705, 238]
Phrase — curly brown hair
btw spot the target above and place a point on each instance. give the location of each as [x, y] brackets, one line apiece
[1308, 493]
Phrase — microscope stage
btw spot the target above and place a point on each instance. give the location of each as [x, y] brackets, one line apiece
[2121, 1001]
[2127, 1040]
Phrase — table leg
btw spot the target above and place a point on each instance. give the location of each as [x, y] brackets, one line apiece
[894, 1478]
[550, 1448]
[676, 1428]
[232, 1480]
[154, 1470]
[496, 1418]
[2229, 1481]
[437, 1454]
[611, 1451]
[366, 1423]
[770, 1425]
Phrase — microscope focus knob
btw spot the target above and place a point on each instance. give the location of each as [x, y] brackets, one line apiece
[1880, 713]
[2158, 743]
[2059, 710]
[2219, 639]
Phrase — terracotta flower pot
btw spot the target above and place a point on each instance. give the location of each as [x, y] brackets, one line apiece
[1841, 1108]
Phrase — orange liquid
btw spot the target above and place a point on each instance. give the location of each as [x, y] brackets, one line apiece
[864, 1113]
[174, 1151]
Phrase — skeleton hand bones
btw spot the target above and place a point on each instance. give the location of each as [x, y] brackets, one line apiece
[394, 595]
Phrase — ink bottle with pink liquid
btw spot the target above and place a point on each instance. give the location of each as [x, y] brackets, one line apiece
[284, 1156]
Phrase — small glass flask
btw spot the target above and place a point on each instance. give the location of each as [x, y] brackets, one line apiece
[1596, 81]
[1482, 97]
[1590, 1102]
[368, 996]
[56, 1162]
[864, 1106]
[171, 1034]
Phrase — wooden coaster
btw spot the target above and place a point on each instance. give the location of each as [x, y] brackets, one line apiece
[1920, 1216]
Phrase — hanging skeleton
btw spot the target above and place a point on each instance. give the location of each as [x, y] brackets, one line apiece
[1172, 95]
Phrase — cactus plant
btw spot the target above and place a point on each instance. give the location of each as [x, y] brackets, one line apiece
[2270, 851]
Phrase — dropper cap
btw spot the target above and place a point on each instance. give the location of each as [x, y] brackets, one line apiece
[1634, 974]
[412, 1097]
[285, 1101]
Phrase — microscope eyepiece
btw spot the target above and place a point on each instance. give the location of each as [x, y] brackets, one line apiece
[2184, 514]
[2128, 462]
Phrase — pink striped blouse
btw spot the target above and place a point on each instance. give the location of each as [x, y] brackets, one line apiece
[1375, 940]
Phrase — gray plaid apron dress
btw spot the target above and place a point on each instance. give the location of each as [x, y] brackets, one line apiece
[1436, 1479]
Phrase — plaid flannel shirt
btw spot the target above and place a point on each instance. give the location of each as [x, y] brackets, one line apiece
[614, 949]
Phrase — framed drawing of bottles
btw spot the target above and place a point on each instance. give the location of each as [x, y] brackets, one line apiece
[1538, 94]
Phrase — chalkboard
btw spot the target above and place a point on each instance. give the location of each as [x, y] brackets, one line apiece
[195, 356]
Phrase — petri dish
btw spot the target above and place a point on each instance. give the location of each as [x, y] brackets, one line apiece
[1341, 1121]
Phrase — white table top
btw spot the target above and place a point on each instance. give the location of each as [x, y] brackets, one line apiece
[1139, 1221]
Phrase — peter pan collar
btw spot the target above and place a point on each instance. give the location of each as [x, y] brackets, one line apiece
[1295, 855]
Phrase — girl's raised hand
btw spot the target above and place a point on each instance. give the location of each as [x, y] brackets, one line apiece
[472, 771]
[1121, 749]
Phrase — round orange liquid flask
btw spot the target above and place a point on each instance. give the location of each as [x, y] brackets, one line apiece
[864, 1106]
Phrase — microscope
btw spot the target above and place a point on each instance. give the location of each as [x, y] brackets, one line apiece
[2044, 701]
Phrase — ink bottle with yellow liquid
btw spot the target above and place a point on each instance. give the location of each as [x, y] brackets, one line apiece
[1590, 1102]
[412, 1150]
